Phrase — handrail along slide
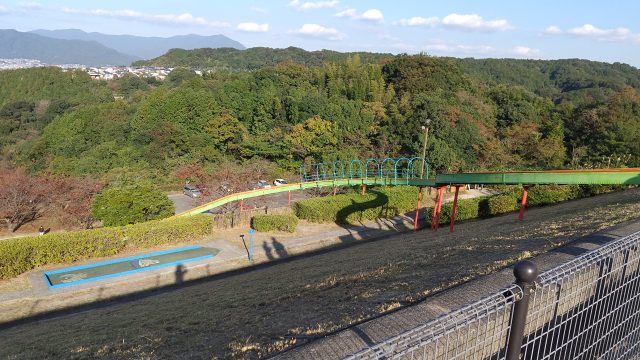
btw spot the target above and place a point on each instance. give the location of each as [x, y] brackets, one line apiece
[406, 171]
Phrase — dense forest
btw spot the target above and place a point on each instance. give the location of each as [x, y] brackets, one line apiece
[318, 106]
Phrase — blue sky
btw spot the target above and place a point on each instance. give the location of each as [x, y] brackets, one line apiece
[597, 30]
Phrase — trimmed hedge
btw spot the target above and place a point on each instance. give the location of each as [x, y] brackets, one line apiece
[510, 200]
[352, 207]
[23, 254]
[551, 194]
[498, 204]
[467, 209]
[273, 222]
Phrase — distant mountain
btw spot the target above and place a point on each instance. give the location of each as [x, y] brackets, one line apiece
[15, 44]
[255, 58]
[144, 47]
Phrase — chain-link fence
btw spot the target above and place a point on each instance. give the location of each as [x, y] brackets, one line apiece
[588, 308]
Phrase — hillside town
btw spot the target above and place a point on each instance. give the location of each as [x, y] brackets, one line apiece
[98, 73]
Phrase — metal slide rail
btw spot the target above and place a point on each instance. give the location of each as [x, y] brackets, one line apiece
[588, 308]
[370, 169]
[406, 171]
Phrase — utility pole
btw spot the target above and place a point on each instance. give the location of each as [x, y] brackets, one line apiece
[425, 128]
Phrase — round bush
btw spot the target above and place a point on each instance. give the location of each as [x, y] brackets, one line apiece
[130, 204]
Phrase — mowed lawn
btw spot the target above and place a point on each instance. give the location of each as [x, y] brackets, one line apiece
[258, 312]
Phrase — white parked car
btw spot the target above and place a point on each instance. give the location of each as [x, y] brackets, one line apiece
[278, 182]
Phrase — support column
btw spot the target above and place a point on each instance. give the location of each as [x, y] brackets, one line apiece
[435, 210]
[439, 207]
[335, 189]
[524, 201]
[241, 205]
[415, 220]
[289, 199]
[364, 189]
[454, 209]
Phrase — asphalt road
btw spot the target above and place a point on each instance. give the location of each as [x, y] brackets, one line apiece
[183, 202]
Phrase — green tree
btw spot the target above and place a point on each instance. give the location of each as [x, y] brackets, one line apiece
[178, 75]
[315, 137]
[130, 204]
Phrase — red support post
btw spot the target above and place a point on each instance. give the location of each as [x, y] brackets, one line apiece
[241, 205]
[289, 199]
[439, 207]
[335, 188]
[415, 220]
[364, 189]
[435, 210]
[454, 209]
[524, 201]
[442, 190]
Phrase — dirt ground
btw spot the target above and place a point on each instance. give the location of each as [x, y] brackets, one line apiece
[259, 311]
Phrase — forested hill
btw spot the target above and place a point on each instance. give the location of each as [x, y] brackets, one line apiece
[570, 79]
[253, 58]
[486, 115]
[555, 78]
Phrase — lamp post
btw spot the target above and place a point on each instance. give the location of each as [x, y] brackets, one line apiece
[425, 128]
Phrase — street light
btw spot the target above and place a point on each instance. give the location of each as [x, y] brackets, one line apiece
[425, 128]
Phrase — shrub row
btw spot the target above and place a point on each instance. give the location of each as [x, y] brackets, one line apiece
[352, 207]
[23, 254]
[510, 200]
[273, 222]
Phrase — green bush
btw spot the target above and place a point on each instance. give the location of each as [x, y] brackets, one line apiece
[550, 194]
[23, 254]
[466, 209]
[593, 189]
[353, 208]
[274, 222]
[498, 204]
[130, 204]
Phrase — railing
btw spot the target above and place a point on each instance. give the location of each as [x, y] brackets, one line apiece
[588, 308]
[370, 169]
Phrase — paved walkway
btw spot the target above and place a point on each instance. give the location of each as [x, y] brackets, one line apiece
[30, 294]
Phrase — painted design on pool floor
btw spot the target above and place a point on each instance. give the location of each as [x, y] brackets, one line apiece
[119, 267]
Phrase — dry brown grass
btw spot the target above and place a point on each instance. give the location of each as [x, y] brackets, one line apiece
[260, 312]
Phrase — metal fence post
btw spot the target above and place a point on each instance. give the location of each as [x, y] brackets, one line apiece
[526, 273]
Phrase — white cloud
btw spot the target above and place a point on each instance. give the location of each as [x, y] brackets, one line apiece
[553, 30]
[349, 13]
[168, 19]
[523, 51]
[252, 27]
[259, 10]
[593, 32]
[460, 49]
[371, 15]
[319, 31]
[419, 21]
[474, 22]
[313, 5]
[30, 5]
[3, 10]
[374, 15]
[617, 34]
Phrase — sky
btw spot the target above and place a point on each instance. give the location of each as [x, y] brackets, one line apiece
[596, 30]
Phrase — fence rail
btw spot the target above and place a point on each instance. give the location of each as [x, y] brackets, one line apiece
[588, 308]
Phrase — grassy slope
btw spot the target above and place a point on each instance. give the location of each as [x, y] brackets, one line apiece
[258, 312]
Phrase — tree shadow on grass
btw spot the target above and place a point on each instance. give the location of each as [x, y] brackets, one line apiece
[353, 217]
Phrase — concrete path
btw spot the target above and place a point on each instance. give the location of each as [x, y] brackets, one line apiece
[30, 295]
